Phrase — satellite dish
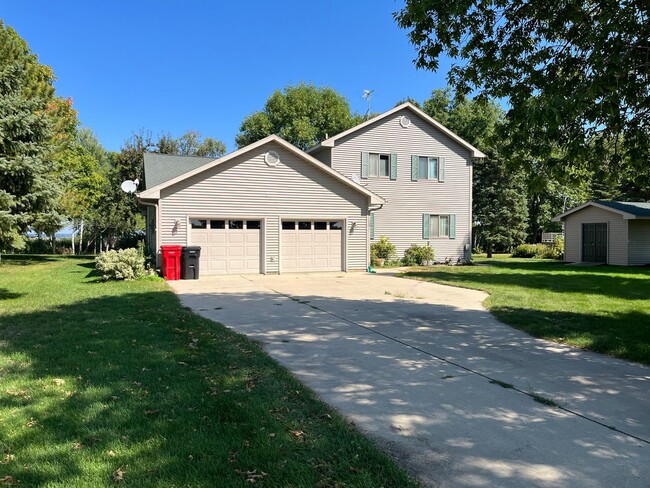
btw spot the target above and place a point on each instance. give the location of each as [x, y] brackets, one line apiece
[355, 178]
[129, 186]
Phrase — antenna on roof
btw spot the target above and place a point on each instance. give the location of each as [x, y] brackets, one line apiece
[367, 95]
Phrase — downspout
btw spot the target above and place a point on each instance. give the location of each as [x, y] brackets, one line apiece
[370, 211]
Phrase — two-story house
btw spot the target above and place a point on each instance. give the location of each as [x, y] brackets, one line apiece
[422, 170]
[272, 208]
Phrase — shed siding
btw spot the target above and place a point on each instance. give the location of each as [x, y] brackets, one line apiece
[358, 252]
[616, 234]
[246, 187]
[639, 242]
[400, 218]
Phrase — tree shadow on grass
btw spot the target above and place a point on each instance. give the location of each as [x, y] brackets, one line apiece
[26, 259]
[139, 383]
[626, 283]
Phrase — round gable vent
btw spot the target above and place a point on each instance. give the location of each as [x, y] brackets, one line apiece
[271, 158]
[404, 121]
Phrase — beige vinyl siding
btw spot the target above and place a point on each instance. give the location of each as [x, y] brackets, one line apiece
[401, 217]
[324, 155]
[639, 242]
[247, 188]
[271, 245]
[616, 234]
[357, 236]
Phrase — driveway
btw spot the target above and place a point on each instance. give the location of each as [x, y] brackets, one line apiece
[426, 371]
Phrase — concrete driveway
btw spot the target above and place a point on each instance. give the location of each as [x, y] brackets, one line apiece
[424, 369]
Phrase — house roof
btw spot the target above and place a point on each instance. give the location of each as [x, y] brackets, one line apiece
[628, 210]
[331, 142]
[153, 193]
[159, 168]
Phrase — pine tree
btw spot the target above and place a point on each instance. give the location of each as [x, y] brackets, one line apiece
[27, 193]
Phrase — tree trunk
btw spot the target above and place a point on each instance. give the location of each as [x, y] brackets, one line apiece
[488, 249]
[53, 241]
[81, 236]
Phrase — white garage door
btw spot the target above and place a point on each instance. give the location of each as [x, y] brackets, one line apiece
[312, 245]
[227, 246]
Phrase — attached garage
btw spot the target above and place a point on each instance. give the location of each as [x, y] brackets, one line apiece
[267, 208]
[607, 232]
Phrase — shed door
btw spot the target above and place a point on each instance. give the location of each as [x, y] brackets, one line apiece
[312, 245]
[594, 243]
[227, 246]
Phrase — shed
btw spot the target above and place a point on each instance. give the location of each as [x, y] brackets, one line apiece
[607, 232]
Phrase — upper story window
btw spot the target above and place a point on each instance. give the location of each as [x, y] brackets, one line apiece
[427, 168]
[377, 165]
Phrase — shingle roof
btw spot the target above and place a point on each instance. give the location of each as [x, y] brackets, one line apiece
[629, 210]
[640, 209]
[159, 168]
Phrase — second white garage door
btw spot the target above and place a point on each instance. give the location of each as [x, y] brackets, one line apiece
[227, 246]
[312, 245]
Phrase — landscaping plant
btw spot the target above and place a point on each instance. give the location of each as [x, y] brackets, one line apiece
[418, 255]
[125, 264]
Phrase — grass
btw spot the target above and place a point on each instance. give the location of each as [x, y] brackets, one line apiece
[600, 308]
[105, 383]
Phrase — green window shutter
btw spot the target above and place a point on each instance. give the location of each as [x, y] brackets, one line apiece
[415, 168]
[452, 226]
[372, 225]
[393, 166]
[441, 169]
[425, 226]
[364, 165]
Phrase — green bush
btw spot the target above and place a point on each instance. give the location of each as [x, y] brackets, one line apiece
[418, 255]
[382, 249]
[125, 264]
[540, 251]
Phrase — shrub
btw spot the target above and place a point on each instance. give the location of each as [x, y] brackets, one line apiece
[540, 251]
[125, 264]
[528, 251]
[418, 255]
[382, 249]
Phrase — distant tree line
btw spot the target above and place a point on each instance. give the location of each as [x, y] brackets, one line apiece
[54, 173]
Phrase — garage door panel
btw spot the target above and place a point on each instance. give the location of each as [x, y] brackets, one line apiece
[228, 251]
[312, 249]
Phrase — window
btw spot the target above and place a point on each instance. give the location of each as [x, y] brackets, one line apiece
[199, 224]
[235, 224]
[217, 224]
[336, 225]
[320, 225]
[304, 225]
[253, 224]
[439, 226]
[378, 164]
[435, 225]
[288, 225]
[428, 168]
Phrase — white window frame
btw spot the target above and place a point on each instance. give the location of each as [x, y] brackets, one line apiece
[376, 171]
[437, 218]
[428, 173]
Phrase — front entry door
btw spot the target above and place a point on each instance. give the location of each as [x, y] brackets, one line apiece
[594, 243]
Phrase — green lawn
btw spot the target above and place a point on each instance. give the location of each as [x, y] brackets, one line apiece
[601, 308]
[103, 383]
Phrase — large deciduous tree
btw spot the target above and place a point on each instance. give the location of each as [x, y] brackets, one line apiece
[575, 73]
[499, 194]
[27, 193]
[303, 114]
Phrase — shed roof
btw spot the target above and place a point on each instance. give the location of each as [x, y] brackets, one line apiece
[153, 192]
[629, 210]
[331, 142]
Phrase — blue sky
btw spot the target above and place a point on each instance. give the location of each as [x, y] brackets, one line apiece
[170, 66]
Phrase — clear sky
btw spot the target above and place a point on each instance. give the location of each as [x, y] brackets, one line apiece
[170, 66]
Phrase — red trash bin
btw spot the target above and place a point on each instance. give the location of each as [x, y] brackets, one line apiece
[171, 262]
